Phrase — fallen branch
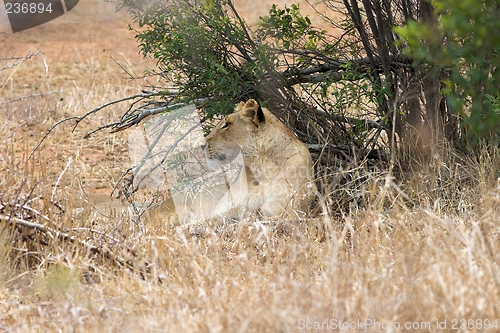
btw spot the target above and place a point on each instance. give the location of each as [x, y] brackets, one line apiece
[53, 233]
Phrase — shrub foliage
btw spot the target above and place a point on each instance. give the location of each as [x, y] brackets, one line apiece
[396, 75]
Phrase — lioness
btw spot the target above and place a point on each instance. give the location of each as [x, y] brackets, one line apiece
[278, 166]
[275, 171]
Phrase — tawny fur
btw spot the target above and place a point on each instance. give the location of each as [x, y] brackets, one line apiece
[278, 165]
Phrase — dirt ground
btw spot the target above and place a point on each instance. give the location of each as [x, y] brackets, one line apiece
[76, 67]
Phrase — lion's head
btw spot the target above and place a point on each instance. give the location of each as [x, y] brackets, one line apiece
[239, 129]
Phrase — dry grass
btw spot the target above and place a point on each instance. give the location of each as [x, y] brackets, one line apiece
[418, 248]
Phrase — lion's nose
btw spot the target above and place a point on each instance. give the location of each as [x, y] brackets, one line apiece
[203, 147]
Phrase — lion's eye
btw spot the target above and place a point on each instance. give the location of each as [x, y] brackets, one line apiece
[226, 125]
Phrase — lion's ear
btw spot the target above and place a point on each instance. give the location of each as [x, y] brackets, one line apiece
[252, 112]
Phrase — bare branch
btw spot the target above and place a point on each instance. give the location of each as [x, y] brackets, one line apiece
[32, 95]
[135, 118]
[48, 133]
[146, 95]
[97, 109]
[19, 60]
[334, 71]
[54, 233]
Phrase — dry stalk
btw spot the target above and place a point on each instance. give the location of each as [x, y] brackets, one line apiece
[53, 233]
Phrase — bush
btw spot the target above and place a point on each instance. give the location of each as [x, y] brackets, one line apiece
[464, 40]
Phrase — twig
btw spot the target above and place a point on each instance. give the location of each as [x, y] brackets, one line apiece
[32, 95]
[59, 178]
[26, 207]
[24, 223]
[135, 118]
[82, 117]
[147, 95]
[346, 150]
[16, 65]
[50, 131]
[371, 124]
[117, 241]
[19, 59]
[123, 69]
[101, 128]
